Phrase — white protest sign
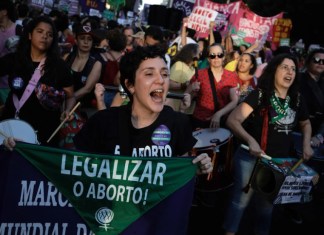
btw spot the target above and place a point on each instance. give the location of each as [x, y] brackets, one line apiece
[295, 190]
[200, 18]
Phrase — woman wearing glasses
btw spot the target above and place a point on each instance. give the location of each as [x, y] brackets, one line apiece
[312, 89]
[269, 114]
[215, 91]
[312, 83]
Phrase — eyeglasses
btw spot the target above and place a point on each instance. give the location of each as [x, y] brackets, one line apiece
[213, 56]
[317, 60]
[287, 68]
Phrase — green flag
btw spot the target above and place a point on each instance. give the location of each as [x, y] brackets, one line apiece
[110, 192]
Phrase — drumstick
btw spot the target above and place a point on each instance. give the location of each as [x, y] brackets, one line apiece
[169, 95]
[65, 119]
[210, 174]
[262, 155]
[296, 165]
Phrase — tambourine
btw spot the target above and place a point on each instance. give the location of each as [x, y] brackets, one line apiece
[18, 129]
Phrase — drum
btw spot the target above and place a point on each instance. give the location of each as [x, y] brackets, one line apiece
[217, 143]
[273, 180]
[18, 129]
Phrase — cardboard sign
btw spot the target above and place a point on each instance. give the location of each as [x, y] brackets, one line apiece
[200, 19]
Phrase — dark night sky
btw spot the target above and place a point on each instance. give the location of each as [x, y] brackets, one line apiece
[307, 16]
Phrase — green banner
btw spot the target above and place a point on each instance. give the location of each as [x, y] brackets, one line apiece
[110, 192]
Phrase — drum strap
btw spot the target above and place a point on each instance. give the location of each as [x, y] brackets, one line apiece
[29, 89]
[264, 135]
[213, 88]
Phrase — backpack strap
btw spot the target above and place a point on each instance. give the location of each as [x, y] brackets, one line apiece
[213, 88]
[70, 58]
[88, 66]
[114, 58]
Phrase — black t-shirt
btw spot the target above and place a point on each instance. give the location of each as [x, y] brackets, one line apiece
[106, 132]
[279, 140]
[80, 78]
[314, 99]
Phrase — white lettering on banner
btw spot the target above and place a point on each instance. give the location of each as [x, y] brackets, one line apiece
[202, 12]
[200, 18]
[112, 192]
[153, 151]
[252, 29]
[152, 174]
[149, 151]
[249, 32]
[33, 228]
[232, 8]
[35, 194]
[248, 23]
[264, 20]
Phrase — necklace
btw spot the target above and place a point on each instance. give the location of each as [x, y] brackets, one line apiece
[281, 110]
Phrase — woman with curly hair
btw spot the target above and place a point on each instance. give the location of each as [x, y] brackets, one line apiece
[264, 122]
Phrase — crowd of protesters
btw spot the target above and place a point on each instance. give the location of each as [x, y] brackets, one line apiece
[222, 86]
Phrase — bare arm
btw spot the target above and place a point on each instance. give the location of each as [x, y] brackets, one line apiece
[117, 101]
[100, 94]
[193, 89]
[318, 137]
[184, 32]
[92, 79]
[252, 47]
[215, 120]
[69, 101]
[234, 122]
[211, 32]
[228, 43]
[306, 130]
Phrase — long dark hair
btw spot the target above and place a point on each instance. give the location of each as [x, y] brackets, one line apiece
[187, 53]
[266, 81]
[253, 62]
[24, 46]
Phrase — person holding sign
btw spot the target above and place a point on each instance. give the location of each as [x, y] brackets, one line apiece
[269, 113]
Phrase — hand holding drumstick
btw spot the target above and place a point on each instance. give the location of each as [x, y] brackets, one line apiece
[62, 123]
[204, 164]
